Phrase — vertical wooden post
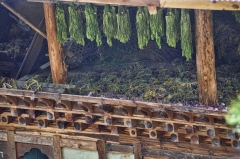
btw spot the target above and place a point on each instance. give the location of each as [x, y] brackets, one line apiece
[137, 150]
[101, 147]
[205, 57]
[11, 145]
[57, 64]
[56, 147]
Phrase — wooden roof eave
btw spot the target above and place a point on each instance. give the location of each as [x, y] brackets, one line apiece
[187, 4]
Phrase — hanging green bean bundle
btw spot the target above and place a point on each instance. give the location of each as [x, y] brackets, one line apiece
[61, 23]
[171, 29]
[109, 23]
[143, 27]
[76, 24]
[92, 27]
[157, 27]
[123, 25]
[237, 15]
[186, 34]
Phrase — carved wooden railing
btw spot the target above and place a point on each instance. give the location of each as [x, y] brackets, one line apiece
[155, 126]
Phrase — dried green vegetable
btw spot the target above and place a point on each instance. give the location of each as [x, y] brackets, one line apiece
[92, 27]
[186, 34]
[237, 15]
[76, 24]
[157, 27]
[143, 26]
[123, 25]
[109, 23]
[61, 23]
[171, 28]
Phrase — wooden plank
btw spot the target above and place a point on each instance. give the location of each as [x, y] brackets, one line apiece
[35, 50]
[119, 148]
[11, 145]
[194, 4]
[57, 64]
[78, 144]
[205, 58]
[101, 148]
[102, 2]
[155, 153]
[34, 139]
[56, 147]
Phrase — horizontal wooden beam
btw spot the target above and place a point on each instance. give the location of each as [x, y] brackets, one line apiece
[111, 2]
[201, 4]
[189, 4]
[155, 107]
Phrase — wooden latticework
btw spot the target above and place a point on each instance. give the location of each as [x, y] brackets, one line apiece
[154, 126]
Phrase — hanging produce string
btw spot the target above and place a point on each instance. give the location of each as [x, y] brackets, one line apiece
[61, 23]
[157, 27]
[171, 28]
[109, 23]
[76, 24]
[92, 27]
[186, 34]
[123, 25]
[143, 27]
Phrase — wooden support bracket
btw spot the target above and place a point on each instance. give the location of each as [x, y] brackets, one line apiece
[64, 103]
[133, 132]
[108, 120]
[175, 137]
[48, 103]
[116, 130]
[87, 107]
[52, 115]
[79, 126]
[144, 111]
[125, 110]
[129, 122]
[11, 100]
[61, 124]
[235, 143]
[24, 121]
[153, 134]
[216, 142]
[190, 129]
[42, 123]
[212, 132]
[6, 118]
[28, 102]
[230, 134]
[195, 139]
[69, 117]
